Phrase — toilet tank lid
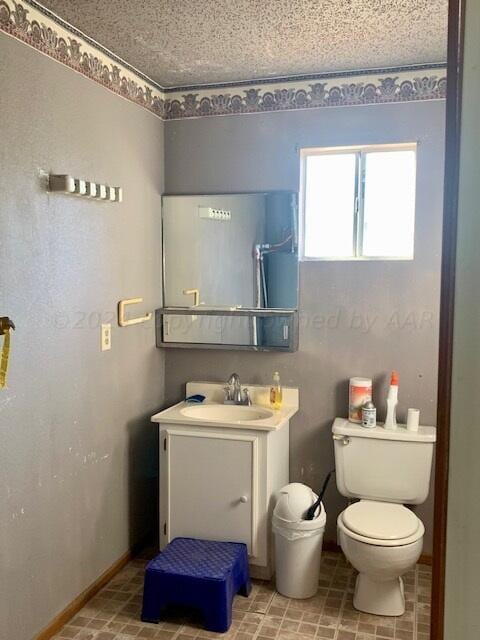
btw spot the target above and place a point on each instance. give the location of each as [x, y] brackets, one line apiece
[342, 427]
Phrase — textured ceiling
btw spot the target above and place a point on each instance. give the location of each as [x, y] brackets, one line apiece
[185, 42]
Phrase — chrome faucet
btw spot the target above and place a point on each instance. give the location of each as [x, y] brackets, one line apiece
[234, 394]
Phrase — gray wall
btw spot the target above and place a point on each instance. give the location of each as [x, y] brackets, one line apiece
[462, 592]
[77, 453]
[357, 318]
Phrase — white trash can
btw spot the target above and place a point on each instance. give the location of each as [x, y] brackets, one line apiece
[298, 542]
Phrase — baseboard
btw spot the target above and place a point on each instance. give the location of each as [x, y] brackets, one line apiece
[261, 573]
[330, 546]
[426, 559]
[333, 547]
[61, 619]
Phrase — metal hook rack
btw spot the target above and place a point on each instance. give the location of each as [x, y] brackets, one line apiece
[63, 183]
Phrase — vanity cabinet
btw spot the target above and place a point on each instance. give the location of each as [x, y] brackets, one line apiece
[221, 467]
[218, 483]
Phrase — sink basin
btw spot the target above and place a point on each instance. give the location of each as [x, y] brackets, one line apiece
[226, 413]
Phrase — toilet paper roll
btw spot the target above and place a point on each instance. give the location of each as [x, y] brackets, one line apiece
[413, 419]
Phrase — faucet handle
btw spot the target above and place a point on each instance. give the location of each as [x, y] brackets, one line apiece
[246, 397]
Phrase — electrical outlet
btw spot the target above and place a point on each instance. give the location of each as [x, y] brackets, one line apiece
[106, 337]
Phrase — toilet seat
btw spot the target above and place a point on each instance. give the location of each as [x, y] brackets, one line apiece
[381, 523]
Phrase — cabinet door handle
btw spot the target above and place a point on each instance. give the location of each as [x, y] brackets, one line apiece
[243, 498]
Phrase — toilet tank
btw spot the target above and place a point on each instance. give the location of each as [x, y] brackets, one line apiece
[376, 464]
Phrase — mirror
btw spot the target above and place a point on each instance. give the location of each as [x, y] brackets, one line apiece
[235, 251]
[230, 271]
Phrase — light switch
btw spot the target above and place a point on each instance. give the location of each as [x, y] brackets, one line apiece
[106, 337]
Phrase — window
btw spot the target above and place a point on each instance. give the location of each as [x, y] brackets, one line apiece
[358, 202]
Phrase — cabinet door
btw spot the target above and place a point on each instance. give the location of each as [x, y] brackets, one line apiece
[212, 486]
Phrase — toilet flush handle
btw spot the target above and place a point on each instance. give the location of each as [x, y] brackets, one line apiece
[343, 439]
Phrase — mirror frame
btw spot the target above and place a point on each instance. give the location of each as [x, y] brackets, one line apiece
[291, 315]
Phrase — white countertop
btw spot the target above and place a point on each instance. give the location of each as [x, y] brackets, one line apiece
[214, 396]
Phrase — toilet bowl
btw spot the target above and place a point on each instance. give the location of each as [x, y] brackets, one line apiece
[382, 541]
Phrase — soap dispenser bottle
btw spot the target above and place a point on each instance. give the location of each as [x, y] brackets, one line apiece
[392, 401]
[276, 394]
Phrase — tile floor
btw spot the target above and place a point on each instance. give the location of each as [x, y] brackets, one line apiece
[114, 613]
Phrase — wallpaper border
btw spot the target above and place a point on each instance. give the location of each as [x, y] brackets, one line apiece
[39, 28]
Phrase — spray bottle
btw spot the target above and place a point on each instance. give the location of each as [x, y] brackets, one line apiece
[392, 401]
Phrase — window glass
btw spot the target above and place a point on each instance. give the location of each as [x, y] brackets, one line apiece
[329, 205]
[359, 203]
[389, 204]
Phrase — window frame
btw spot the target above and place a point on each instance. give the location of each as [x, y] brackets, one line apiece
[358, 212]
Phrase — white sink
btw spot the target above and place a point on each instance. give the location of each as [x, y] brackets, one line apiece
[258, 417]
[226, 413]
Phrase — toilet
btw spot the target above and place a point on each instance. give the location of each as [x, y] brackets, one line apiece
[382, 471]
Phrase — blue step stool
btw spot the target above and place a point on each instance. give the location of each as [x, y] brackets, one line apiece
[201, 574]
